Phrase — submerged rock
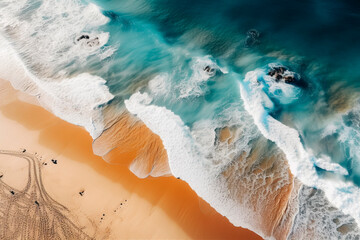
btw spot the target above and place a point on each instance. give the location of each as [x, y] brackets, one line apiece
[88, 41]
[94, 42]
[209, 70]
[282, 74]
[83, 37]
[252, 38]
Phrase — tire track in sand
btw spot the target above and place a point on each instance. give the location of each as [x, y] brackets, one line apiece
[31, 213]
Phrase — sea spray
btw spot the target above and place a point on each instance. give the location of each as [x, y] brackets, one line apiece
[78, 100]
[170, 61]
[343, 195]
[188, 162]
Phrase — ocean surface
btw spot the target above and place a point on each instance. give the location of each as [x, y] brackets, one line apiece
[226, 85]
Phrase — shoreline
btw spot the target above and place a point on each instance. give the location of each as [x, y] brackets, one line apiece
[162, 207]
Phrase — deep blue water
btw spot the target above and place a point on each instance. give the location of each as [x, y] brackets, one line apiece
[215, 64]
[317, 39]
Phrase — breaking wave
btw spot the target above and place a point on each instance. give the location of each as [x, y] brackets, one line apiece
[177, 103]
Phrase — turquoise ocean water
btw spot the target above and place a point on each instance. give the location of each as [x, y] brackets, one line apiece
[208, 62]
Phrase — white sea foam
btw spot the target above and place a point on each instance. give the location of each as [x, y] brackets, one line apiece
[343, 195]
[318, 219]
[324, 162]
[188, 161]
[160, 84]
[46, 33]
[40, 40]
[285, 93]
[185, 83]
[202, 69]
[176, 136]
[77, 100]
[346, 128]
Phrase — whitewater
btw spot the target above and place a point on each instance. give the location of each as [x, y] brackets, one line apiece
[246, 125]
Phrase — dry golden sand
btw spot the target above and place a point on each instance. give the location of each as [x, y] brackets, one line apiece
[28, 212]
[115, 203]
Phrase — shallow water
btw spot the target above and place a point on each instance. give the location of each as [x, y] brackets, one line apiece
[196, 68]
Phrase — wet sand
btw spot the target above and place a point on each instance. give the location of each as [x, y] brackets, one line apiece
[128, 141]
[107, 201]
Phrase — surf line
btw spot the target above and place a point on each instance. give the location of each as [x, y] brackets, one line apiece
[343, 195]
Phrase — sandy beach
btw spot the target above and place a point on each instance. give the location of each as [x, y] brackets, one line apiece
[106, 201]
